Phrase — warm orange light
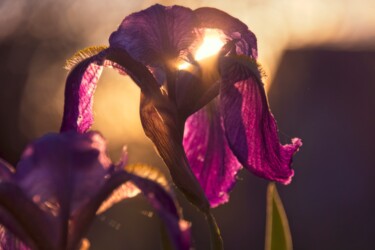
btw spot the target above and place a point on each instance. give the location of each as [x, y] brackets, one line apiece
[211, 45]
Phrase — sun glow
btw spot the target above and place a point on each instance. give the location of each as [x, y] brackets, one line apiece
[211, 45]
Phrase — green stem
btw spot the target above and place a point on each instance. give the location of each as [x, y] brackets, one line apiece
[215, 235]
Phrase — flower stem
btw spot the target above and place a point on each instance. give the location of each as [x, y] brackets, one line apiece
[216, 240]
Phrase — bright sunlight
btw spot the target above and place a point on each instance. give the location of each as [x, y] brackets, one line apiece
[212, 43]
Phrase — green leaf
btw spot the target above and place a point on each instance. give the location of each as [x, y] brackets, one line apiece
[278, 235]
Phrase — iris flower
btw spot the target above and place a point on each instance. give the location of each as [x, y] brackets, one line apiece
[61, 182]
[208, 117]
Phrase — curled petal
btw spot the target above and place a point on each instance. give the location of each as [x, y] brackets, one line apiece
[209, 154]
[82, 80]
[162, 201]
[233, 28]
[252, 132]
[79, 91]
[129, 190]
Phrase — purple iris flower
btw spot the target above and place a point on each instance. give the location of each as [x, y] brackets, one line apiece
[207, 119]
[62, 181]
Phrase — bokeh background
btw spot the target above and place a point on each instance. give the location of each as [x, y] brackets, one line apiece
[319, 57]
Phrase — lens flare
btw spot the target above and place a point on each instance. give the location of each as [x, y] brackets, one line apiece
[212, 43]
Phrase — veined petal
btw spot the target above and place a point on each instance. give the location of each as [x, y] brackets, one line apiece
[156, 34]
[82, 80]
[251, 129]
[209, 155]
[79, 91]
[233, 28]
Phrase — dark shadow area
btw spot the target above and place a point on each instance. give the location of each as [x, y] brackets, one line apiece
[326, 98]
[15, 60]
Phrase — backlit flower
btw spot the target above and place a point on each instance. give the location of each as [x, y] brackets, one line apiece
[61, 182]
[207, 114]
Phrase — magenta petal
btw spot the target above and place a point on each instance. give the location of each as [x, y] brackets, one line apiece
[82, 80]
[209, 155]
[252, 132]
[79, 93]
[246, 43]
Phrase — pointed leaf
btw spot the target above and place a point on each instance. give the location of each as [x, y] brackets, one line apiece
[278, 235]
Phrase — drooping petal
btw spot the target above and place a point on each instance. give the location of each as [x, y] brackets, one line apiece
[82, 80]
[128, 189]
[162, 201]
[157, 34]
[251, 128]
[165, 206]
[79, 90]
[209, 155]
[246, 43]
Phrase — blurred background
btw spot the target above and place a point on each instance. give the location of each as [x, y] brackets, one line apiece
[319, 57]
